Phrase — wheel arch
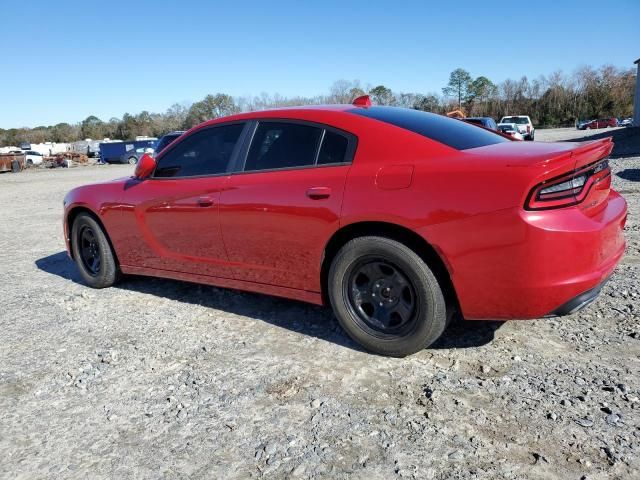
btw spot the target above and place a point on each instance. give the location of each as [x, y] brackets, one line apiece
[71, 217]
[396, 232]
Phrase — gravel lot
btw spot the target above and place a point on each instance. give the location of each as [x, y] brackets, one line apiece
[163, 379]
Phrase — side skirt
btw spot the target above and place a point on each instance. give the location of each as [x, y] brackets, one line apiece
[291, 293]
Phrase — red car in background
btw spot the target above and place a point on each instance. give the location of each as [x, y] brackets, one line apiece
[602, 123]
[394, 217]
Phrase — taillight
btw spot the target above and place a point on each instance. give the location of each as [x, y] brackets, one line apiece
[569, 189]
[528, 128]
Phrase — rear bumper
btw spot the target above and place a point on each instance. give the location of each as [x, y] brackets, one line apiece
[578, 302]
[516, 264]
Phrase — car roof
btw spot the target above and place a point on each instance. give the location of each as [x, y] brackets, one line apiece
[283, 112]
[440, 129]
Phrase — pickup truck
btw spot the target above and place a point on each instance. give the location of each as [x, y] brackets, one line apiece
[523, 123]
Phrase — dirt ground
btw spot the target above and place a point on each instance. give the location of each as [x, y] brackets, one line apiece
[162, 379]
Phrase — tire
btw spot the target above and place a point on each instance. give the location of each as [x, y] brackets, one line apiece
[103, 274]
[132, 160]
[414, 314]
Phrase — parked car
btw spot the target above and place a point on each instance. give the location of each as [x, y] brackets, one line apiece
[33, 158]
[166, 139]
[486, 122]
[582, 124]
[132, 156]
[394, 217]
[626, 122]
[510, 129]
[601, 123]
[116, 152]
[524, 125]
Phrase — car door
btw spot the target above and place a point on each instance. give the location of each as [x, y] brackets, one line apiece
[279, 210]
[172, 217]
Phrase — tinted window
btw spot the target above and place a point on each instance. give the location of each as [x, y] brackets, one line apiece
[282, 145]
[206, 152]
[449, 131]
[166, 140]
[333, 149]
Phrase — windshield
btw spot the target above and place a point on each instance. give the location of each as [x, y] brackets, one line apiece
[517, 120]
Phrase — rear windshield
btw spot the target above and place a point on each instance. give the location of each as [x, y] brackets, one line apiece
[517, 120]
[449, 131]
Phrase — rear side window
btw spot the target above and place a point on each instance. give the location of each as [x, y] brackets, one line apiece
[283, 145]
[206, 152]
[334, 148]
[448, 131]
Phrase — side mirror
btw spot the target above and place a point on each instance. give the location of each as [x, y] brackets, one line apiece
[145, 167]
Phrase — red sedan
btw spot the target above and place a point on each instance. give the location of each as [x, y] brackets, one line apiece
[602, 123]
[394, 217]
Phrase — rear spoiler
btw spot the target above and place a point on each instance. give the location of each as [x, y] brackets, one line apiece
[584, 153]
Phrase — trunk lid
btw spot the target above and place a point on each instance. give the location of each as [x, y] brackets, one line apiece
[548, 163]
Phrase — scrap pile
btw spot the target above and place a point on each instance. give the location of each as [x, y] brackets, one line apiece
[11, 162]
[66, 159]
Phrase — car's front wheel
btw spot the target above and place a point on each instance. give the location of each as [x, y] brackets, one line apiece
[133, 160]
[92, 252]
[386, 297]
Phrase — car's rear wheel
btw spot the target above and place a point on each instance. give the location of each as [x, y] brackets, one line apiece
[92, 252]
[385, 296]
[133, 160]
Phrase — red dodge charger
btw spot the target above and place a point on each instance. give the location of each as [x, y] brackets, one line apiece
[394, 217]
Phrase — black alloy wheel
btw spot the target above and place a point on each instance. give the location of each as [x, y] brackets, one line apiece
[89, 250]
[382, 296]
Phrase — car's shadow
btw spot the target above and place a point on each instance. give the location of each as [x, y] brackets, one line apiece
[631, 174]
[296, 316]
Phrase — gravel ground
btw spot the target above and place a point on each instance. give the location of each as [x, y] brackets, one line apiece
[163, 379]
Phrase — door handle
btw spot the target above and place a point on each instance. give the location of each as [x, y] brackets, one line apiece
[317, 193]
[205, 201]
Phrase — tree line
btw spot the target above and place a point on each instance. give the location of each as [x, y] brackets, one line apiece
[551, 101]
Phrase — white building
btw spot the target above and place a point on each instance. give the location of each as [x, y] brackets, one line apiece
[636, 105]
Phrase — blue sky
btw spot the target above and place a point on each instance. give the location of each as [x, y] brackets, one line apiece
[64, 60]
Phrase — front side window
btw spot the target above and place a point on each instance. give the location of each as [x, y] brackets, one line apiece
[206, 152]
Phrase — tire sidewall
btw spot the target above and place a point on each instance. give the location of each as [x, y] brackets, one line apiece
[108, 270]
[431, 312]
